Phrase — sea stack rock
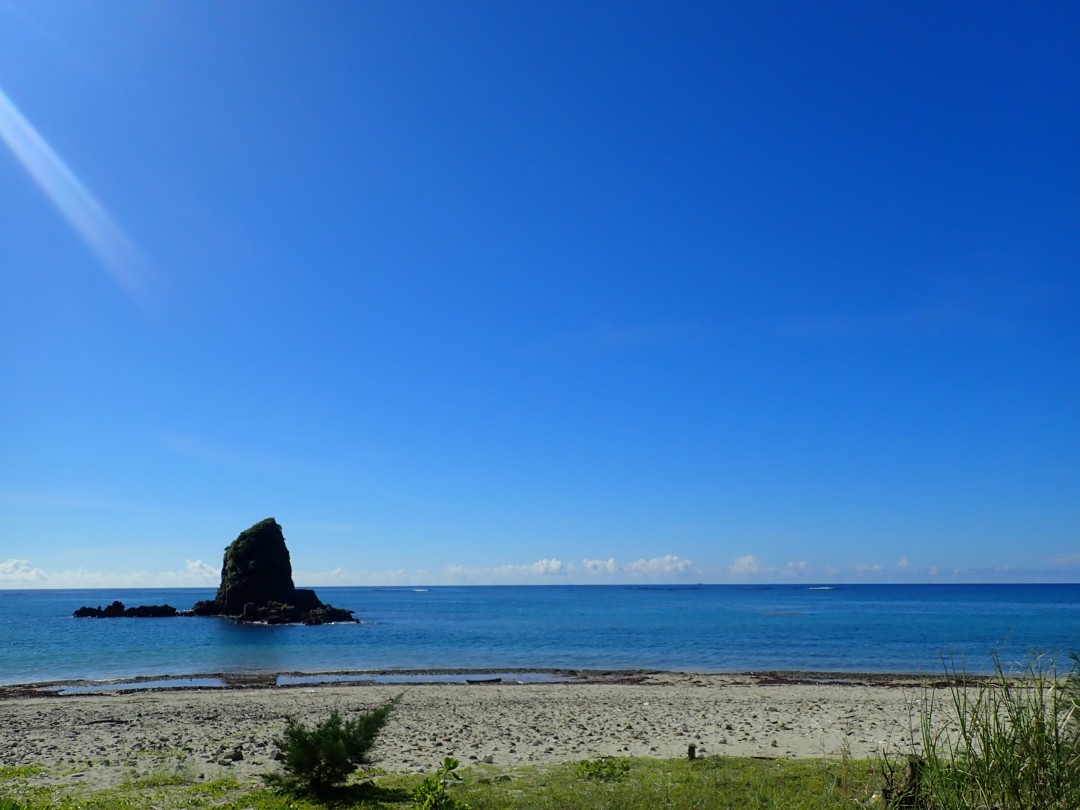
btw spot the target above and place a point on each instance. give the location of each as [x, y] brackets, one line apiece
[257, 584]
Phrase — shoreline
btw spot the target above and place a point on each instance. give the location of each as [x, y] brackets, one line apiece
[230, 681]
[100, 739]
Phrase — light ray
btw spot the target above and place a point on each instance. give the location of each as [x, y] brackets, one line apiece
[91, 221]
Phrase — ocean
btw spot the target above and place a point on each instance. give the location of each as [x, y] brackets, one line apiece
[702, 628]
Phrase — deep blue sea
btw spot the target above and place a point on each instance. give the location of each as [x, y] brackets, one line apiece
[845, 628]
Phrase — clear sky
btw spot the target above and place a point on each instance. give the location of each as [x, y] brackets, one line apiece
[540, 292]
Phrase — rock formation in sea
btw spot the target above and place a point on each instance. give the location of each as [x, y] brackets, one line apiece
[117, 610]
[257, 584]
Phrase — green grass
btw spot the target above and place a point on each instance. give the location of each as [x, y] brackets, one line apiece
[604, 768]
[9, 772]
[716, 782]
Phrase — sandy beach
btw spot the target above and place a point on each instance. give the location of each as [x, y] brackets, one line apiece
[102, 738]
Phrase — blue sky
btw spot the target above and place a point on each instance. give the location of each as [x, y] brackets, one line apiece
[557, 292]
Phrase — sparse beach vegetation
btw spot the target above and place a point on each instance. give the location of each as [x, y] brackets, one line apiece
[1014, 744]
[719, 783]
[1009, 741]
[434, 791]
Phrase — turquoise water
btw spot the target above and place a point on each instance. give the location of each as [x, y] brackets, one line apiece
[864, 628]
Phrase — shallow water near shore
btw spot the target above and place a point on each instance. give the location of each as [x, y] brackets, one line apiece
[314, 679]
[843, 628]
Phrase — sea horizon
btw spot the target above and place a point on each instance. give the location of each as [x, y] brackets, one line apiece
[824, 585]
[898, 628]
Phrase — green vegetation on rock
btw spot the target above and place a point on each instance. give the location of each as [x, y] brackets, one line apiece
[256, 569]
[257, 584]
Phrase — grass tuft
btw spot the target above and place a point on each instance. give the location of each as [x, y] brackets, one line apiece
[1015, 744]
[604, 768]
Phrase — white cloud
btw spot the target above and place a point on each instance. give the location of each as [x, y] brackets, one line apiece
[864, 569]
[81, 578]
[15, 573]
[668, 564]
[544, 567]
[747, 565]
[501, 573]
[547, 570]
[903, 562]
[20, 571]
[201, 569]
[194, 574]
[800, 568]
[607, 566]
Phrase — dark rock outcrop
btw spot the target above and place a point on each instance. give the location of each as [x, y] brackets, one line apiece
[151, 611]
[117, 610]
[257, 584]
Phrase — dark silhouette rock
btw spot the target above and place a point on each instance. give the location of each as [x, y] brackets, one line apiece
[151, 611]
[257, 584]
[117, 610]
[256, 569]
[87, 612]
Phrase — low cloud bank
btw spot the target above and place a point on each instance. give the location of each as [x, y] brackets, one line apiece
[555, 570]
[18, 573]
[23, 574]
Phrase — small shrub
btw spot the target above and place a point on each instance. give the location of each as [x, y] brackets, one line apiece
[9, 804]
[318, 760]
[432, 793]
[605, 768]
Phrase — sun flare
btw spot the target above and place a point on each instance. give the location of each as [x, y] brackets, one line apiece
[84, 213]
